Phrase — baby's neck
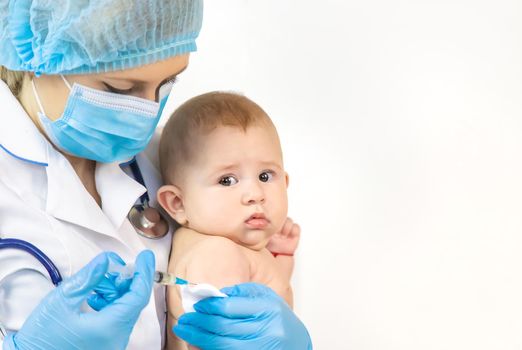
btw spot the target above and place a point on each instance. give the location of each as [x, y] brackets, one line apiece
[255, 246]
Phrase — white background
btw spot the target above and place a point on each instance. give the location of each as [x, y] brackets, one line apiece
[401, 124]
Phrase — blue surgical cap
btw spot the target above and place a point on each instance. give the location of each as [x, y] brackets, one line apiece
[95, 36]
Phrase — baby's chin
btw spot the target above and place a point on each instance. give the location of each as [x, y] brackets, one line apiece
[252, 239]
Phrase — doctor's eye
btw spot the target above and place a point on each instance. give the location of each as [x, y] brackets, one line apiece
[111, 88]
[266, 176]
[171, 82]
[228, 180]
[165, 88]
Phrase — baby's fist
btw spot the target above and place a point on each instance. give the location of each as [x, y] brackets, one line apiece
[286, 241]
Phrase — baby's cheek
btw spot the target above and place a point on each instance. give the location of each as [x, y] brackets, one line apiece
[215, 220]
[280, 207]
[279, 199]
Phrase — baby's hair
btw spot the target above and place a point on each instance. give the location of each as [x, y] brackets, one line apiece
[198, 117]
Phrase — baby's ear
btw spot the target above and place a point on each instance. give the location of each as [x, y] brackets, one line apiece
[287, 179]
[170, 198]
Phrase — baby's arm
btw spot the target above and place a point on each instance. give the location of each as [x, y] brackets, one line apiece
[285, 264]
[283, 246]
[217, 261]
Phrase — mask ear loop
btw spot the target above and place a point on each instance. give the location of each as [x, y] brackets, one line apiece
[37, 97]
[66, 82]
[38, 101]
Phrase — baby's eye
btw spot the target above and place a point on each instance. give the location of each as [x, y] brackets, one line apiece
[228, 180]
[265, 176]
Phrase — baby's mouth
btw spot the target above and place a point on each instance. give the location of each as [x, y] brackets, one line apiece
[257, 221]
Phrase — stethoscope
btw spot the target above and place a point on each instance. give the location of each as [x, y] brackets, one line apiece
[148, 222]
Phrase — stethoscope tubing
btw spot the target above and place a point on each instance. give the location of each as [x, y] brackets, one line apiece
[12, 243]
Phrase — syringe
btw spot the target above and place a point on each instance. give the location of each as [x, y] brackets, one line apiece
[169, 279]
[165, 278]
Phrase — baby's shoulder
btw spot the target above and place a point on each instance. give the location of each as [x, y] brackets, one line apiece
[218, 246]
[218, 261]
[190, 242]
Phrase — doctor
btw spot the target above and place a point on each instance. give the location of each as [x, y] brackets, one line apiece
[83, 85]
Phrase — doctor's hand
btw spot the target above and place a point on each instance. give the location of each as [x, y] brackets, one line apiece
[58, 324]
[252, 317]
[111, 287]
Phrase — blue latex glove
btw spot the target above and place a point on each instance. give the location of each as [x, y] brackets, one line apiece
[111, 287]
[58, 324]
[252, 317]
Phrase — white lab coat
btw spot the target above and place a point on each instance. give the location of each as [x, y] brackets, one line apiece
[42, 201]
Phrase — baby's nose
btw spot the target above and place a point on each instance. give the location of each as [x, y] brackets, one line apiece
[254, 195]
[256, 200]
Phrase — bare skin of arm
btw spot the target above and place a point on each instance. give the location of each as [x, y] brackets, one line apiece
[283, 246]
[212, 259]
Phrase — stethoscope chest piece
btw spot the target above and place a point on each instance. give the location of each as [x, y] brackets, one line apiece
[148, 222]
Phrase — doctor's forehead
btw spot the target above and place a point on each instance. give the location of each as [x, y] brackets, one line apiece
[150, 73]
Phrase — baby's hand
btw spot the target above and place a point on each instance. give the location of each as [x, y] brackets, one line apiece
[285, 242]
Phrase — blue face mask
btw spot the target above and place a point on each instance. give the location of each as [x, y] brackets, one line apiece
[103, 126]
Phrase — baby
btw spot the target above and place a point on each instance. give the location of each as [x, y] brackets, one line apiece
[222, 163]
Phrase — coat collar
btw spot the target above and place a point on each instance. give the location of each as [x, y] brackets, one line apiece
[117, 190]
[19, 137]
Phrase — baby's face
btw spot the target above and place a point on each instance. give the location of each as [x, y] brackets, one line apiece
[236, 186]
